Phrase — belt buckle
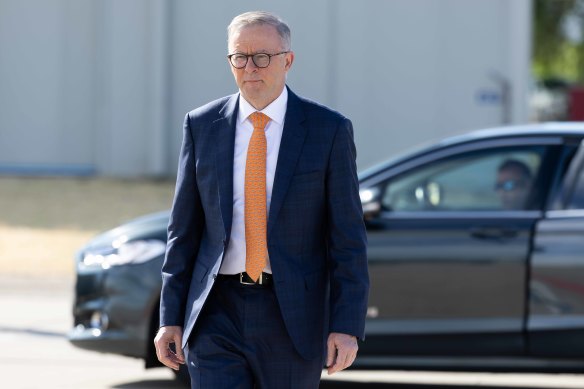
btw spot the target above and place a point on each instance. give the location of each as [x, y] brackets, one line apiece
[241, 281]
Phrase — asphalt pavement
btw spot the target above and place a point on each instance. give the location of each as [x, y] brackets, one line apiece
[35, 315]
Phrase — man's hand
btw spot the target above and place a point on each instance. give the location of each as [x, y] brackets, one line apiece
[165, 336]
[341, 350]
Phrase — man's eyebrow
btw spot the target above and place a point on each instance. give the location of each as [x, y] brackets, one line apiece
[262, 51]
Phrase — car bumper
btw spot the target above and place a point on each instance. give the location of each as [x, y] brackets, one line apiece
[114, 309]
[116, 342]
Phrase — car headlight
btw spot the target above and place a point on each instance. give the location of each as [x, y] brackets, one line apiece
[122, 253]
[368, 195]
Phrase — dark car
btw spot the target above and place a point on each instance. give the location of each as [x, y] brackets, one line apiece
[476, 255]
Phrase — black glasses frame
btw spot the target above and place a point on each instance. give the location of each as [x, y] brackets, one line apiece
[253, 58]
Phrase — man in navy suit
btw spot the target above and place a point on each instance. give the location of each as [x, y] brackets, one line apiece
[263, 290]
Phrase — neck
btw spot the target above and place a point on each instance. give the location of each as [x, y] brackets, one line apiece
[260, 104]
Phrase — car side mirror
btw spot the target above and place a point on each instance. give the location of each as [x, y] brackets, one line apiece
[370, 202]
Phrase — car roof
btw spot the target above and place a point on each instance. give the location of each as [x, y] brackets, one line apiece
[535, 129]
[570, 129]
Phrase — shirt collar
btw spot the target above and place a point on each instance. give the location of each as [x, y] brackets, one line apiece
[276, 110]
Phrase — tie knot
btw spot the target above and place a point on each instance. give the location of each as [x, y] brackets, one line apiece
[259, 120]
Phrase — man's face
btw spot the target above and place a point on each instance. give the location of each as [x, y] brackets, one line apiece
[260, 86]
[513, 188]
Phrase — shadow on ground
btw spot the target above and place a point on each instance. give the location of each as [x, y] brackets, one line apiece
[170, 384]
[151, 384]
[377, 385]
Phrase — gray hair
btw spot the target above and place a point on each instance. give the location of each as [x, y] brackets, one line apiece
[258, 18]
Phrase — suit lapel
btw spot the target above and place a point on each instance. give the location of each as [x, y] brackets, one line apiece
[293, 135]
[224, 132]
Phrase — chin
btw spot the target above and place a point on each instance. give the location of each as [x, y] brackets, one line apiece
[253, 94]
[255, 88]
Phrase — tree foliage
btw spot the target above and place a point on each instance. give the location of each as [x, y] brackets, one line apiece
[555, 53]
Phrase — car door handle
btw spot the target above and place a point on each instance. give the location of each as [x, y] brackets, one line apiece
[495, 233]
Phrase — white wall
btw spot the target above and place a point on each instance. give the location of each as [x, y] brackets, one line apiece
[46, 85]
[133, 90]
[103, 85]
[425, 66]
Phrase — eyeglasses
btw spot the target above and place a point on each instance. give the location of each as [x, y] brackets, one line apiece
[510, 185]
[261, 60]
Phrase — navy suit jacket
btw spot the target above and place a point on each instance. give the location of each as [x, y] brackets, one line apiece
[316, 235]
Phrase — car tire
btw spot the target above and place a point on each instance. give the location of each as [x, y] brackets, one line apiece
[182, 375]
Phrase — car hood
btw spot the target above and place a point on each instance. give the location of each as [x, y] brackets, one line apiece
[151, 226]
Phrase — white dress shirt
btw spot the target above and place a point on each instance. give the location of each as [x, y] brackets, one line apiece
[234, 261]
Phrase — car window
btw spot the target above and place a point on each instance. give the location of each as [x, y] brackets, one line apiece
[496, 179]
[577, 200]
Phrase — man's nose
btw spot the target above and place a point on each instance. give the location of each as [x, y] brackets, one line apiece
[250, 66]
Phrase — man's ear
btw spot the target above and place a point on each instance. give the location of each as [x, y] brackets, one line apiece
[289, 60]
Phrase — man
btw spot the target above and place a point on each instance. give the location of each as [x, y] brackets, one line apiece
[265, 273]
[513, 184]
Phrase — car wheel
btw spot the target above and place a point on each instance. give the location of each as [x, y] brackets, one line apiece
[182, 375]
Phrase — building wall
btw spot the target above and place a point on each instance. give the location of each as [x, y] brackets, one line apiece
[102, 86]
[47, 79]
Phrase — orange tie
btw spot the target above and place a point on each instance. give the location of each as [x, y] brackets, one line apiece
[256, 218]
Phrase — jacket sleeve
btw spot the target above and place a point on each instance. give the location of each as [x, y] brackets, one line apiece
[184, 234]
[347, 238]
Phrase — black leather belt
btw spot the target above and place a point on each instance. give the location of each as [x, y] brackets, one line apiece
[265, 279]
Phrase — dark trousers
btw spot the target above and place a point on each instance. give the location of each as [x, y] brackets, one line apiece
[240, 341]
